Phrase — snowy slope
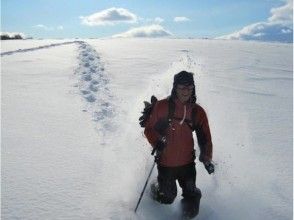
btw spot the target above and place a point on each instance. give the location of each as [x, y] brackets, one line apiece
[72, 147]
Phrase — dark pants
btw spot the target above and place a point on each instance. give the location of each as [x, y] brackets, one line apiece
[167, 188]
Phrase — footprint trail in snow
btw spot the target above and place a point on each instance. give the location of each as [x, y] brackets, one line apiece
[37, 48]
[93, 84]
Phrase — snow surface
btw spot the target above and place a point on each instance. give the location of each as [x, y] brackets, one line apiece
[13, 45]
[72, 147]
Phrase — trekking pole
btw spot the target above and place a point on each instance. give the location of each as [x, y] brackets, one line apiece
[142, 193]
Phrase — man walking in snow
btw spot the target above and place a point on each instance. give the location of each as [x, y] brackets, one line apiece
[169, 130]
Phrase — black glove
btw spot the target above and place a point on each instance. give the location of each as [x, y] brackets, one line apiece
[161, 126]
[209, 167]
[160, 145]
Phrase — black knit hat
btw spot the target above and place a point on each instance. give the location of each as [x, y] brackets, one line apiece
[184, 78]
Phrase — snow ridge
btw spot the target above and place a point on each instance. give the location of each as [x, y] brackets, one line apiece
[93, 84]
[37, 48]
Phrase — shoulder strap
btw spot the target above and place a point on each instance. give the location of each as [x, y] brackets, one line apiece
[193, 117]
[171, 109]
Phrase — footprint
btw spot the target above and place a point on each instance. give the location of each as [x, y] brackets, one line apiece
[93, 69]
[87, 77]
[95, 82]
[85, 92]
[93, 88]
[105, 104]
[90, 98]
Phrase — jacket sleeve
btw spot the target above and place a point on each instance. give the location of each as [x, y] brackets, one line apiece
[150, 133]
[203, 136]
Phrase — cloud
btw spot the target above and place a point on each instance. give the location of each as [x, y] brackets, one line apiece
[283, 14]
[181, 19]
[40, 26]
[286, 31]
[151, 31]
[46, 28]
[60, 27]
[158, 20]
[278, 27]
[109, 16]
[150, 21]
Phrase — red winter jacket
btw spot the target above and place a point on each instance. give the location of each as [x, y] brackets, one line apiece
[180, 144]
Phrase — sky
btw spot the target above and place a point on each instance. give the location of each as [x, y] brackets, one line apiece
[268, 20]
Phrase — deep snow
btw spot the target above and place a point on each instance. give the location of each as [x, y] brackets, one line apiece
[72, 147]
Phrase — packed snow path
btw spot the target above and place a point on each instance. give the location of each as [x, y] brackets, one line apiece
[36, 48]
[94, 86]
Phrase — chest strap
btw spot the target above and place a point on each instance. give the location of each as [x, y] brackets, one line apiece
[171, 112]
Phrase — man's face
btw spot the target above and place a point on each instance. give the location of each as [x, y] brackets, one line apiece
[184, 92]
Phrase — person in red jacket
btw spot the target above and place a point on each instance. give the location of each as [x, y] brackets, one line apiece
[169, 130]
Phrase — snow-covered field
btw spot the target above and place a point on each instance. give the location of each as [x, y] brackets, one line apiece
[12, 45]
[72, 147]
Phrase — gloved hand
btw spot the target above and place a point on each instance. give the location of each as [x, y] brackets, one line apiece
[160, 145]
[209, 167]
[161, 126]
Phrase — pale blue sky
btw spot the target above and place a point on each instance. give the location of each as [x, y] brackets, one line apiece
[204, 18]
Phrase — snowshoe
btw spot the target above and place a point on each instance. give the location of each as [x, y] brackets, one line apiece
[190, 209]
[154, 191]
[190, 206]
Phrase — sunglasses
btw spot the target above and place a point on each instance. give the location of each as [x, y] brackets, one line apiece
[182, 88]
